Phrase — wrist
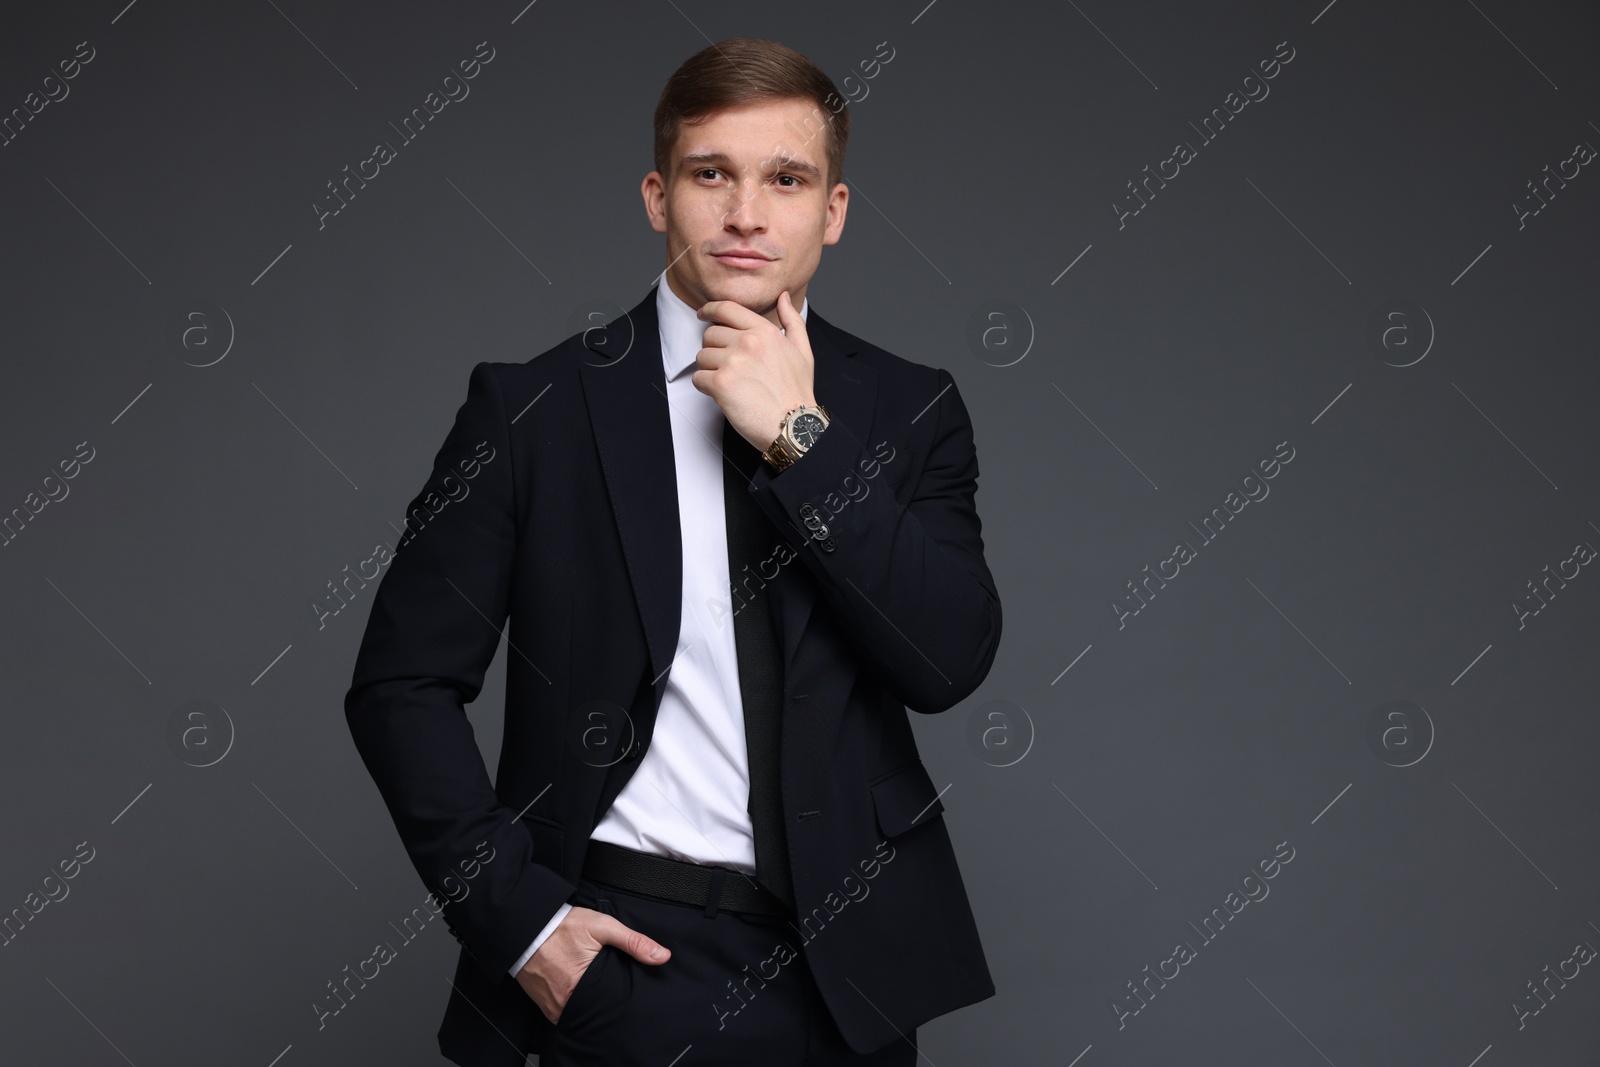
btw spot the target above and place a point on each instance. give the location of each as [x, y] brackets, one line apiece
[783, 412]
[800, 428]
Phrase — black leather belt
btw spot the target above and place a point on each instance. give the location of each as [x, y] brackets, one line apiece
[703, 885]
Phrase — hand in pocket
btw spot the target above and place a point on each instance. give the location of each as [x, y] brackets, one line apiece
[551, 974]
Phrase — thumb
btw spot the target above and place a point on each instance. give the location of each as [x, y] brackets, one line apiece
[634, 943]
[787, 315]
[794, 325]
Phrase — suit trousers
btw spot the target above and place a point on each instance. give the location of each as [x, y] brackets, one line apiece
[727, 997]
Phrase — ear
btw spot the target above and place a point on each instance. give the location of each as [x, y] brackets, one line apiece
[654, 191]
[838, 206]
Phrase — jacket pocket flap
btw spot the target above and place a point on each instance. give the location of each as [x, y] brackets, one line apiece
[905, 798]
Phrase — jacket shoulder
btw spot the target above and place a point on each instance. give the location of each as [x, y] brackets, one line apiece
[522, 382]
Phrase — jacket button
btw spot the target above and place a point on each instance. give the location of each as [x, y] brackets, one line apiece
[828, 544]
[633, 750]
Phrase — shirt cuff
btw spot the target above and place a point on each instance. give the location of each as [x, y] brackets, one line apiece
[549, 928]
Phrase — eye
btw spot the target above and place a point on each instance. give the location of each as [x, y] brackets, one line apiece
[706, 170]
[791, 177]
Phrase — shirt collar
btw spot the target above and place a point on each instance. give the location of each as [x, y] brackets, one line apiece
[683, 331]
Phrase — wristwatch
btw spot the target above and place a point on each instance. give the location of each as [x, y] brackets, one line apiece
[798, 432]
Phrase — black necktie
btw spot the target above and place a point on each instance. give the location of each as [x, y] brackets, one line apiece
[751, 540]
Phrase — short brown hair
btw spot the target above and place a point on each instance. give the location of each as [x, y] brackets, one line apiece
[743, 70]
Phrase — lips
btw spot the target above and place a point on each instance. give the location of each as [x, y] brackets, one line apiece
[744, 258]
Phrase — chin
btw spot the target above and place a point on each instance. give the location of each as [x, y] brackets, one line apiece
[754, 293]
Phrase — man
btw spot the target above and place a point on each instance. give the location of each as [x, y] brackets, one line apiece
[734, 544]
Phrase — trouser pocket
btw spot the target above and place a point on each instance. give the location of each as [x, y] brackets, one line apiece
[594, 1002]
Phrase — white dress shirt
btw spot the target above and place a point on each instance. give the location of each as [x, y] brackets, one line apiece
[689, 796]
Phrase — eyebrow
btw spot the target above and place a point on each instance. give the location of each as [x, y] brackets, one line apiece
[783, 162]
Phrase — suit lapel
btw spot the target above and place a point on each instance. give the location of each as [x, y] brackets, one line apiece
[624, 388]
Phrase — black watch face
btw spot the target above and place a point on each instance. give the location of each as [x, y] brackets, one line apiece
[806, 429]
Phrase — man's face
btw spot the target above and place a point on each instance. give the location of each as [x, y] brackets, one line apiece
[750, 179]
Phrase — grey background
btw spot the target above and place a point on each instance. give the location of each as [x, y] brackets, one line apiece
[1230, 715]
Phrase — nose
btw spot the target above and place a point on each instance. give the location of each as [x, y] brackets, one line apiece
[746, 213]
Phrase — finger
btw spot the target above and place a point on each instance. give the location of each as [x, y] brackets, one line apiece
[640, 947]
[719, 336]
[788, 316]
[794, 324]
[731, 313]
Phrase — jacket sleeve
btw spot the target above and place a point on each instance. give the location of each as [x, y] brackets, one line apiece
[907, 582]
[433, 630]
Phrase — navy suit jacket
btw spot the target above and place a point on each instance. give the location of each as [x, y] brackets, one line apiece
[553, 504]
